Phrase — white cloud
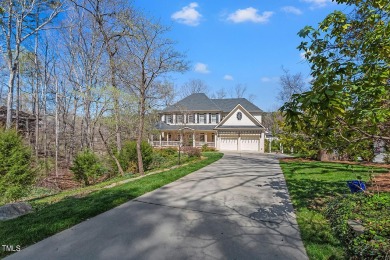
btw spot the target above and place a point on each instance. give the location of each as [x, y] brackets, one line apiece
[268, 79]
[188, 15]
[317, 3]
[265, 79]
[291, 10]
[201, 68]
[249, 14]
[228, 77]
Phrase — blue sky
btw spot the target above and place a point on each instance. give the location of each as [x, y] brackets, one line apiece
[234, 42]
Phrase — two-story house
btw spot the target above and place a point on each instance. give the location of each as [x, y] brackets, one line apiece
[231, 124]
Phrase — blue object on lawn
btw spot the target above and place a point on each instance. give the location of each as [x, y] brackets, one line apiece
[356, 186]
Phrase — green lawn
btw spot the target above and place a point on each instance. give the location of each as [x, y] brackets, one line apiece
[54, 214]
[310, 184]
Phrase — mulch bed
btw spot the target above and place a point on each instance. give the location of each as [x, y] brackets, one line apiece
[380, 183]
[63, 181]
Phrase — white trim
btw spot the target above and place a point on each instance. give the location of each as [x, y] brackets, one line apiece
[249, 115]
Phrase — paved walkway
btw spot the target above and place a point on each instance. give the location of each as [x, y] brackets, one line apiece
[236, 208]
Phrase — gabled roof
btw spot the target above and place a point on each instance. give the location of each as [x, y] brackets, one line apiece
[227, 104]
[200, 102]
[239, 107]
[194, 102]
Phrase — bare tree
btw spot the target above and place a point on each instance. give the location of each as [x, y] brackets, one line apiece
[150, 57]
[238, 91]
[105, 13]
[290, 84]
[193, 86]
[221, 93]
[16, 27]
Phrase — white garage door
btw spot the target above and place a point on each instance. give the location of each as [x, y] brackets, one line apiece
[249, 144]
[228, 144]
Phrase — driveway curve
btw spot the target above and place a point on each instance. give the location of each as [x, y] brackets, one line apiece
[236, 208]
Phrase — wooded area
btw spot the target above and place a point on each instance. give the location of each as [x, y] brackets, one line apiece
[82, 74]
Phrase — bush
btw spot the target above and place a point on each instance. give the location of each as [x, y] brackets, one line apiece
[87, 167]
[128, 156]
[205, 148]
[372, 213]
[157, 160]
[191, 151]
[167, 152]
[16, 172]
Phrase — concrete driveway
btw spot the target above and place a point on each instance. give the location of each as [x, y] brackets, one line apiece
[236, 208]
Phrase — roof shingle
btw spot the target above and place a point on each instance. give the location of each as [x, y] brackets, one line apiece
[200, 102]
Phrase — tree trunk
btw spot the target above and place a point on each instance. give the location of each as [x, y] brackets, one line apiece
[322, 155]
[10, 97]
[57, 126]
[140, 132]
[111, 154]
[116, 101]
[36, 97]
[17, 99]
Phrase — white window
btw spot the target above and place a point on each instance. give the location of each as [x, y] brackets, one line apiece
[179, 119]
[202, 118]
[214, 118]
[190, 119]
[169, 119]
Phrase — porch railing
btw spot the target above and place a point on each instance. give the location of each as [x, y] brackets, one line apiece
[176, 144]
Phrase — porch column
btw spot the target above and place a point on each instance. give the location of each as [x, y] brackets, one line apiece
[151, 137]
[160, 139]
[205, 138]
[167, 139]
[193, 139]
[239, 142]
[262, 138]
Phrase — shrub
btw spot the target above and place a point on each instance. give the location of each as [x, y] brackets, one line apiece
[372, 213]
[16, 172]
[128, 156]
[167, 152]
[157, 160]
[191, 151]
[205, 148]
[87, 167]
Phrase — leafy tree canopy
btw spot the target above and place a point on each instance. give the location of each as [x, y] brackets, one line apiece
[349, 56]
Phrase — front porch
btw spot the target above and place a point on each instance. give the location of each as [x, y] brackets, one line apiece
[183, 138]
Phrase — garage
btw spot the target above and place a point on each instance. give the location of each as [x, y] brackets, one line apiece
[228, 144]
[249, 144]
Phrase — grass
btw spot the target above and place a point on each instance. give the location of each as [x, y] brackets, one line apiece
[56, 213]
[310, 184]
[55, 195]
